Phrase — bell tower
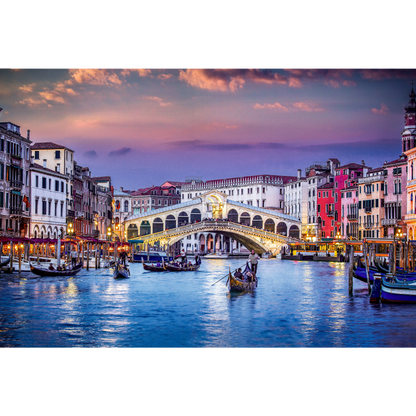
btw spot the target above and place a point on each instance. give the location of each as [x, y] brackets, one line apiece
[409, 132]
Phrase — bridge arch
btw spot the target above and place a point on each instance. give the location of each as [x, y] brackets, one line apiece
[245, 218]
[257, 221]
[294, 231]
[157, 225]
[281, 228]
[269, 225]
[232, 215]
[195, 215]
[145, 228]
[132, 231]
[183, 219]
[170, 222]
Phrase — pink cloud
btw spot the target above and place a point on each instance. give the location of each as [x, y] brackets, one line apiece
[164, 77]
[159, 100]
[383, 110]
[228, 79]
[379, 74]
[31, 102]
[301, 106]
[27, 88]
[141, 72]
[52, 96]
[94, 77]
[349, 83]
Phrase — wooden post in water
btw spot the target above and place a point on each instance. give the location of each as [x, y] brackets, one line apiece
[11, 256]
[366, 267]
[88, 256]
[19, 253]
[351, 271]
[96, 256]
[82, 253]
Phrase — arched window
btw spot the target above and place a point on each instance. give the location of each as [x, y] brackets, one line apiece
[126, 206]
[117, 205]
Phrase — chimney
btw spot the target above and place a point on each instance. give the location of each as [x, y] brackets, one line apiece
[299, 173]
[121, 188]
[32, 160]
[28, 134]
[362, 162]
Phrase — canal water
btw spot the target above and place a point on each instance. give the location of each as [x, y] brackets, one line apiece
[296, 304]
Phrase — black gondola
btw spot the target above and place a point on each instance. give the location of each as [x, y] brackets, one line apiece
[5, 262]
[184, 267]
[41, 271]
[152, 268]
[121, 271]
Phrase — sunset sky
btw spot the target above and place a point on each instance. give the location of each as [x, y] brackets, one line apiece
[145, 126]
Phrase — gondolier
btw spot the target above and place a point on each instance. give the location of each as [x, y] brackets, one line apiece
[253, 259]
[74, 257]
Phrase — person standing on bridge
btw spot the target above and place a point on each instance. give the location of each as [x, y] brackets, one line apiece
[253, 258]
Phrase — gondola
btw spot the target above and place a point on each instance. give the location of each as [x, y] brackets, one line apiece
[178, 267]
[394, 291]
[121, 272]
[152, 268]
[239, 285]
[41, 271]
[5, 262]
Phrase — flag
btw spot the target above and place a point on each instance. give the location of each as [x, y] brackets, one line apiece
[26, 201]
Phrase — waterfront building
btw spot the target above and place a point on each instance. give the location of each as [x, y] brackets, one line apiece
[395, 196]
[371, 204]
[409, 149]
[318, 174]
[14, 181]
[325, 210]
[349, 210]
[122, 210]
[103, 214]
[344, 177]
[60, 159]
[155, 197]
[47, 202]
[295, 197]
[264, 191]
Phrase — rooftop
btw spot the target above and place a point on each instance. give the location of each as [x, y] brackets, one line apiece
[40, 167]
[327, 185]
[353, 166]
[48, 146]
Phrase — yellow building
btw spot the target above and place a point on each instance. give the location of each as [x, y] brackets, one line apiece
[409, 149]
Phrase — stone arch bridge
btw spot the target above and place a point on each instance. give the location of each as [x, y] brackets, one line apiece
[256, 228]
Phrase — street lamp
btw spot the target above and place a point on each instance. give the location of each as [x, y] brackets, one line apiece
[109, 232]
[70, 229]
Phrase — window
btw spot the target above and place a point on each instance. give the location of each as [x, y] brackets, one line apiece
[57, 154]
[58, 167]
[50, 184]
[49, 207]
[1, 170]
[57, 186]
[56, 208]
[44, 183]
[62, 209]
[62, 187]
[2, 145]
[36, 205]
[1, 199]
[126, 205]
[43, 206]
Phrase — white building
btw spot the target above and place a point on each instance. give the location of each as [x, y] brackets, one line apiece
[48, 203]
[122, 210]
[296, 199]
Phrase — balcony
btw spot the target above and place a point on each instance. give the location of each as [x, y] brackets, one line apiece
[367, 210]
[410, 217]
[330, 213]
[389, 221]
[352, 217]
[367, 191]
[95, 233]
[16, 211]
[16, 184]
[71, 213]
[368, 225]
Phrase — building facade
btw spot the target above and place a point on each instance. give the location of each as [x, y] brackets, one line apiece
[409, 149]
[14, 181]
[349, 211]
[47, 203]
[395, 196]
[371, 204]
[60, 159]
[325, 210]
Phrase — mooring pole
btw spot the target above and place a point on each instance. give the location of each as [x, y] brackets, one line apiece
[351, 271]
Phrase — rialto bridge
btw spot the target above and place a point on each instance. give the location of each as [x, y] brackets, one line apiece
[212, 214]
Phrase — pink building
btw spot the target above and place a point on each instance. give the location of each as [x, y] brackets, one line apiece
[344, 175]
[395, 196]
[349, 210]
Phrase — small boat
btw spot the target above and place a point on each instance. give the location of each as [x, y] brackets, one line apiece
[151, 256]
[5, 262]
[121, 272]
[266, 255]
[183, 266]
[396, 291]
[43, 271]
[152, 268]
[242, 285]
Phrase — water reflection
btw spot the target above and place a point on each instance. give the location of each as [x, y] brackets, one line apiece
[296, 304]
